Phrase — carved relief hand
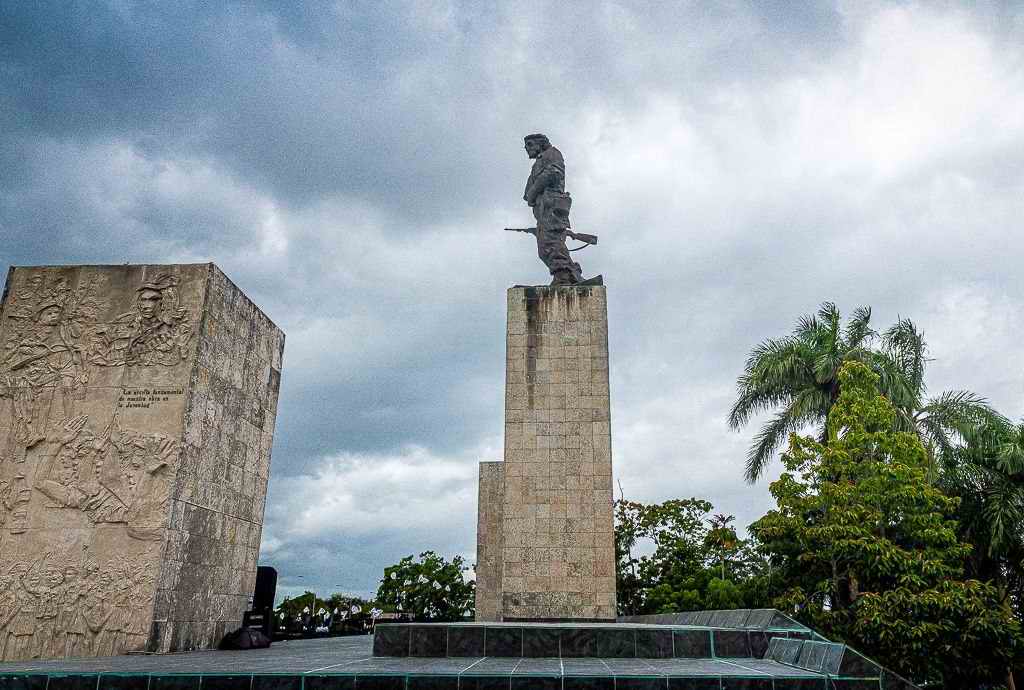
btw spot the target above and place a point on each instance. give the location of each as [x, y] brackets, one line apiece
[73, 428]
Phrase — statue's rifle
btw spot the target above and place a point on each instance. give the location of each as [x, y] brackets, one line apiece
[22, 363]
[578, 236]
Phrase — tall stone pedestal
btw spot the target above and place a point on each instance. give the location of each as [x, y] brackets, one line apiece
[545, 541]
[137, 408]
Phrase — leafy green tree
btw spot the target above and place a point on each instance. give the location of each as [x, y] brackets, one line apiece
[429, 588]
[677, 530]
[302, 612]
[697, 562]
[723, 594]
[756, 574]
[344, 602]
[797, 377]
[353, 613]
[871, 548]
[304, 604]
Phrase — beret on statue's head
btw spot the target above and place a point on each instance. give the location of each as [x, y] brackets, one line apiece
[162, 282]
[539, 137]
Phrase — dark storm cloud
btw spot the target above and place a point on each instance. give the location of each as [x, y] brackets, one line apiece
[304, 117]
[350, 166]
[334, 98]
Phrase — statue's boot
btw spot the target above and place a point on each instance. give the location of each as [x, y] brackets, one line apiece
[564, 277]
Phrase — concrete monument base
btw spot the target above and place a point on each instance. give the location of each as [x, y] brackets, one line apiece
[545, 541]
[137, 408]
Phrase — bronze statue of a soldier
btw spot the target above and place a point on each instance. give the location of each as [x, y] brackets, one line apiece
[545, 194]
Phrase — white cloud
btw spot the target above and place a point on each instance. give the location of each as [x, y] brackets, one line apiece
[335, 519]
[374, 494]
[974, 335]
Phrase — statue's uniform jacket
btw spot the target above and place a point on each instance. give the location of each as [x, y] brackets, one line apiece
[545, 192]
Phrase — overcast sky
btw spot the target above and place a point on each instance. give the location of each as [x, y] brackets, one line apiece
[350, 166]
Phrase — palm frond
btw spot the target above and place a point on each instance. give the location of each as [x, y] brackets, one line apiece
[893, 383]
[767, 355]
[1010, 455]
[775, 368]
[907, 349]
[1004, 512]
[805, 408]
[956, 416]
[961, 411]
[826, 366]
[832, 327]
[807, 328]
[808, 406]
[858, 330]
[828, 312]
[753, 401]
[766, 442]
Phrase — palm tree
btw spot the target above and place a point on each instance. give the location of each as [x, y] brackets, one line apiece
[722, 537]
[799, 374]
[940, 421]
[986, 471]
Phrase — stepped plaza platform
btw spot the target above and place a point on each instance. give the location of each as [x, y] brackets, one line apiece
[489, 656]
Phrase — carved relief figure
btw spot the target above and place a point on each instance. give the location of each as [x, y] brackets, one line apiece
[15, 497]
[40, 364]
[22, 628]
[155, 333]
[43, 360]
[145, 466]
[129, 587]
[48, 611]
[71, 617]
[45, 580]
[119, 479]
[8, 605]
[6, 503]
[97, 610]
[76, 474]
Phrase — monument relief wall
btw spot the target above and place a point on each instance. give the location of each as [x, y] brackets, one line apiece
[136, 418]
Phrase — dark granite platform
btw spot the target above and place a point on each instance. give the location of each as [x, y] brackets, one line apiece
[494, 656]
[346, 664]
[574, 640]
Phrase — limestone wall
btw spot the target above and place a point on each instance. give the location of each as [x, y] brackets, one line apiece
[488, 541]
[111, 472]
[213, 537]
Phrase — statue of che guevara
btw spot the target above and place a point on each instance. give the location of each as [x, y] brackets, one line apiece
[545, 194]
